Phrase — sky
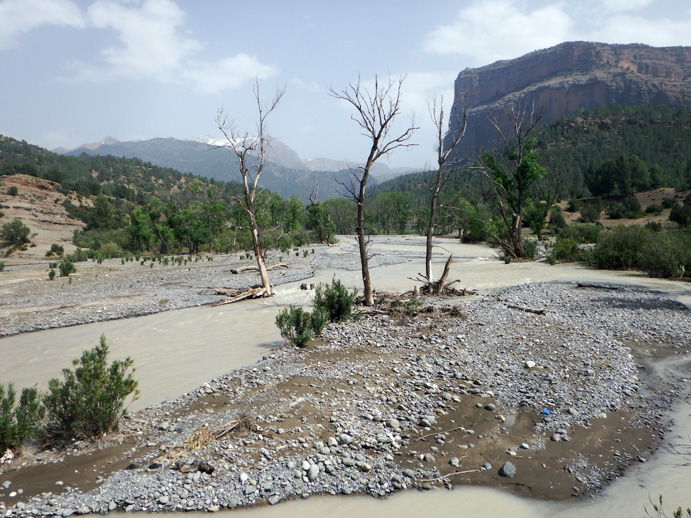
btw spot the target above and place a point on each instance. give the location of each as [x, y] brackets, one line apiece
[76, 71]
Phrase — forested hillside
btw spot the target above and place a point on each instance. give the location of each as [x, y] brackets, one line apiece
[128, 179]
[644, 146]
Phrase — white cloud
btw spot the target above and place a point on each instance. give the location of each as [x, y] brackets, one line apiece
[311, 87]
[660, 32]
[20, 16]
[151, 42]
[490, 30]
[616, 6]
[228, 73]
[152, 45]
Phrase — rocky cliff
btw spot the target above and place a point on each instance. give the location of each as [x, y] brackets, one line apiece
[565, 78]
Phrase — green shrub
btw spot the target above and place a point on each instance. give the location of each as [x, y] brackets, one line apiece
[90, 400]
[590, 212]
[565, 249]
[667, 254]
[2, 265]
[13, 190]
[582, 232]
[574, 205]
[57, 249]
[621, 247]
[295, 324]
[681, 214]
[631, 205]
[319, 319]
[668, 203]
[530, 248]
[79, 256]
[335, 300]
[18, 422]
[110, 249]
[654, 209]
[556, 218]
[616, 210]
[66, 268]
[51, 274]
[654, 226]
[15, 232]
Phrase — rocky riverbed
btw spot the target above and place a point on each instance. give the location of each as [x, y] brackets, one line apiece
[546, 388]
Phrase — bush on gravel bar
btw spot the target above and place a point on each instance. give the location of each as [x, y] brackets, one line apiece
[18, 422]
[90, 400]
[335, 299]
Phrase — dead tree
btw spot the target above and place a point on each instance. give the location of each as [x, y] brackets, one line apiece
[375, 112]
[250, 152]
[445, 169]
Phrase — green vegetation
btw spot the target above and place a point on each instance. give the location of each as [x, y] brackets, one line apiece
[659, 254]
[298, 325]
[332, 303]
[66, 268]
[18, 422]
[90, 400]
[55, 249]
[335, 300]
[15, 232]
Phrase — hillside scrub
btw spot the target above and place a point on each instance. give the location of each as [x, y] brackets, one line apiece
[15, 231]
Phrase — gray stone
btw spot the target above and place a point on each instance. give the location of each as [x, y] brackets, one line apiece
[344, 438]
[508, 470]
[313, 472]
[455, 462]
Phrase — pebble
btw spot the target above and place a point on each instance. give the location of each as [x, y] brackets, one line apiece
[508, 470]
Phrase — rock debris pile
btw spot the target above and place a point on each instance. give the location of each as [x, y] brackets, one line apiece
[483, 392]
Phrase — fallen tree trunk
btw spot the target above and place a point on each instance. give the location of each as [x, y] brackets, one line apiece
[238, 295]
[596, 286]
[253, 268]
[527, 309]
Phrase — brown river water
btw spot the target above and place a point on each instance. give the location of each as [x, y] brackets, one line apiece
[177, 351]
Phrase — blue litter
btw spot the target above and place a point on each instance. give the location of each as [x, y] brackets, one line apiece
[546, 411]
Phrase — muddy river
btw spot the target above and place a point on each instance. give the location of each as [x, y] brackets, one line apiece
[177, 351]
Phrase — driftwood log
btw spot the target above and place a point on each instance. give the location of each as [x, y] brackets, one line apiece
[527, 309]
[596, 286]
[254, 268]
[238, 295]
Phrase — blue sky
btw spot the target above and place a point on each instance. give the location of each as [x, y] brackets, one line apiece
[75, 71]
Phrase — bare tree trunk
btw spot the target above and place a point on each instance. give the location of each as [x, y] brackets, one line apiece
[375, 112]
[242, 144]
[443, 172]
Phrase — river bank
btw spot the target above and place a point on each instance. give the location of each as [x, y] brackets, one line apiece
[398, 400]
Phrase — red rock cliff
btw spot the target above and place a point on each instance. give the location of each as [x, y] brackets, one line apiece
[566, 78]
